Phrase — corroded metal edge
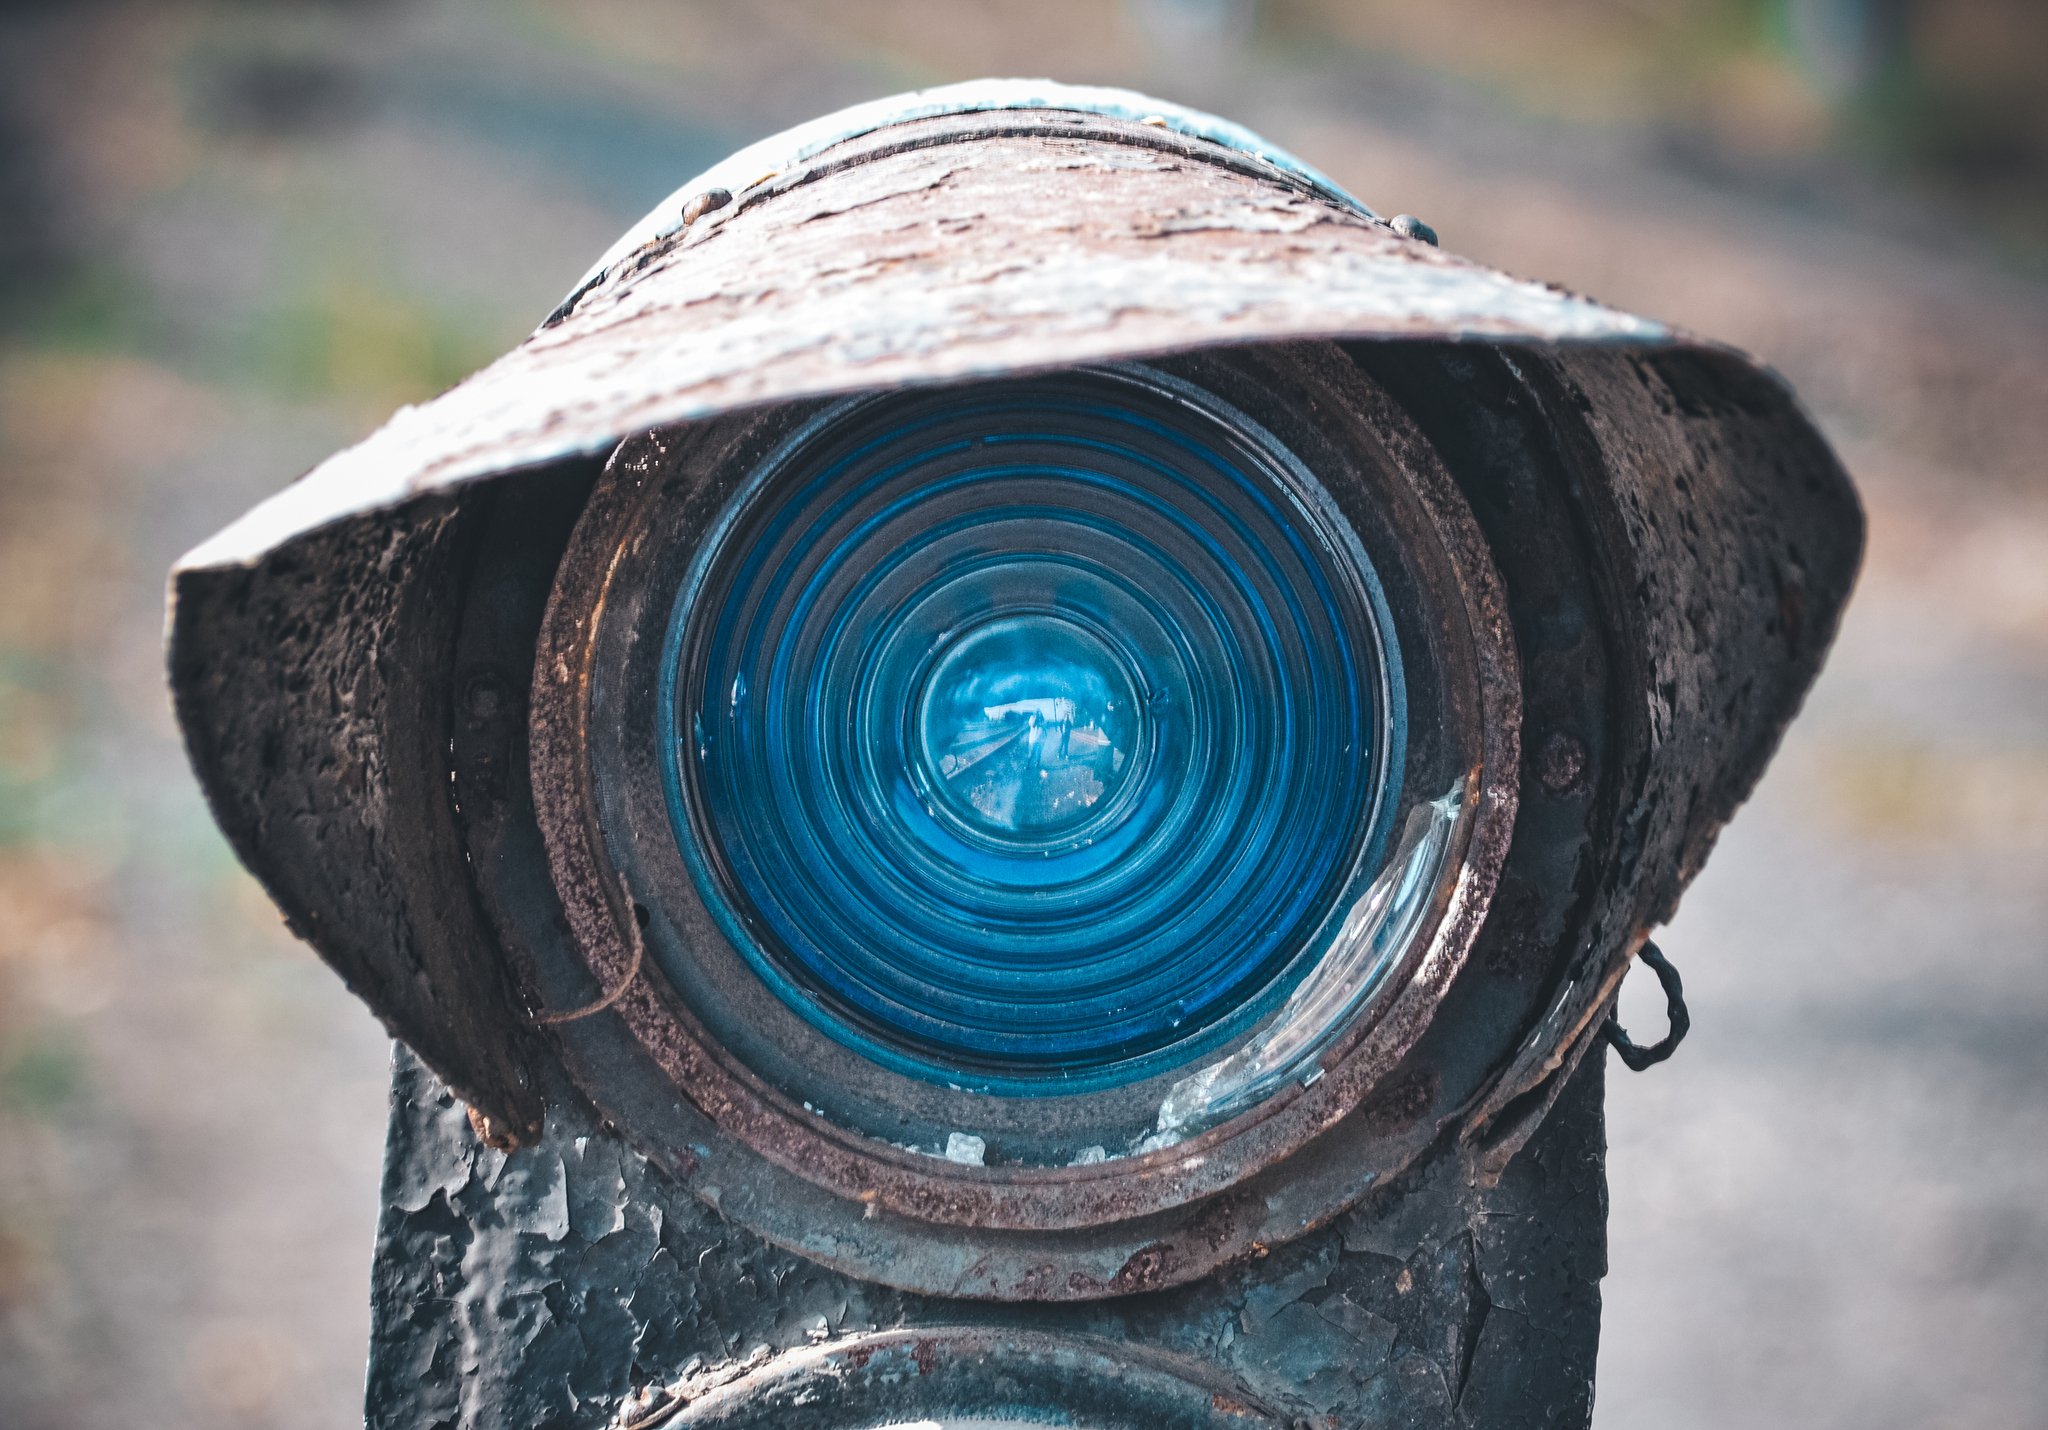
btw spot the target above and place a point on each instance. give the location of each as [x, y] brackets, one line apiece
[1022, 240]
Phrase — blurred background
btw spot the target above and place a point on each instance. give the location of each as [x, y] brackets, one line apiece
[233, 237]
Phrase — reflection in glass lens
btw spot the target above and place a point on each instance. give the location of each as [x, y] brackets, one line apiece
[1025, 726]
[1029, 727]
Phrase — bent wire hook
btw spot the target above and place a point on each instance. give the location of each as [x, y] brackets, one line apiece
[1639, 1058]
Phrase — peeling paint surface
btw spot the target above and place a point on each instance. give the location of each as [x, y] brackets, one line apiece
[545, 1286]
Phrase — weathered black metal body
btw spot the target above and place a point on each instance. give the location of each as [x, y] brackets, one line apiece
[544, 1285]
[1630, 550]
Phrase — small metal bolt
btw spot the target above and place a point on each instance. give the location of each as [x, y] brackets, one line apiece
[699, 205]
[1409, 226]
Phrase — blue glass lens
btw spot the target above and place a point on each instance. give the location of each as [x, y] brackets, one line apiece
[1030, 727]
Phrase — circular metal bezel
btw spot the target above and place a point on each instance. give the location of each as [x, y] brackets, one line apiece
[1044, 1231]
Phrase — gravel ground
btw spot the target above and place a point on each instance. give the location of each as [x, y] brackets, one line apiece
[1825, 1210]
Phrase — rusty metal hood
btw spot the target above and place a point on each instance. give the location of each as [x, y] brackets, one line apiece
[993, 227]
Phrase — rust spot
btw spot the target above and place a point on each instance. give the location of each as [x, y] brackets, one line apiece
[492, 1133]
[926, 1355]
[1514, 944]
[1148, 1267]
[1033, 1284]
[1396, 1106]
[857, 1356]
[1561, 763]
[1216, 1226]
[1224, 1405]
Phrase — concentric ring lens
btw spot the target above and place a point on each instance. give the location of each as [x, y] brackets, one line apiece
[1031, 727]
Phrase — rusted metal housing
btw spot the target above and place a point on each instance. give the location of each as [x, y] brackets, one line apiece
[1652, 550]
